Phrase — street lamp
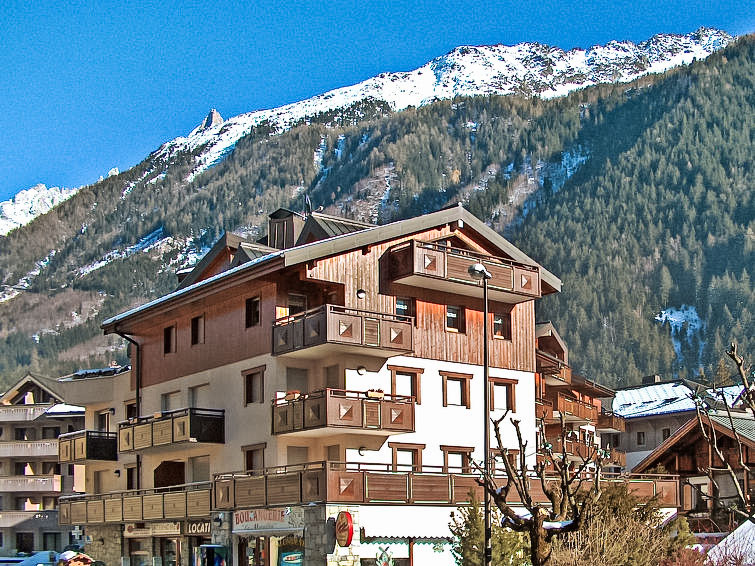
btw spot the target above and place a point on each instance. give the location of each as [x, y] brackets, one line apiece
[478, 272]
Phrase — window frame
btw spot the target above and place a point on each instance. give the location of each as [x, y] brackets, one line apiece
[169, 339]
[416, 380]
[463, 379]
[247, 374]
[258, 447]
[510, 385]
[665, 433]
[411, 310]
[249, 320]
[197, 329]
[466, 453]
[508, 331]
[406, 447]
[460, 317]
[640, 434]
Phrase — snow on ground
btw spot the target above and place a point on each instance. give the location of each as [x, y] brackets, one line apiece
[146, 244]
[677, 318]
[30, 203]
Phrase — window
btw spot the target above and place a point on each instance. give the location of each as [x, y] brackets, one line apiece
[254, 456]
[666, 432]
[296, 304]
[615, 439]
[502, 394]
[199, 468]
[199, 396]
[131, 410]
[50, 432]
[197, 330]
[169, 339]
[252, 312]
[334, 378]
[455, 319]
[103, 421]
[405, 307]
[50, 468]
[502, 325]
[130, 477]
[333, 453]
[406, 381]
[254, 385]
[297, 455]
[455, 389]
[170, 401]
[456, 459]
[406, 457]
[640, 438]
[51, 541]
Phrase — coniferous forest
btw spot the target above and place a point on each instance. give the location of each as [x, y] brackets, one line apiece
[638, 196]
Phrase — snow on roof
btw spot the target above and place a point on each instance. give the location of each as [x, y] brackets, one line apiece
[739, 544]
[65, 409]
[661, 399]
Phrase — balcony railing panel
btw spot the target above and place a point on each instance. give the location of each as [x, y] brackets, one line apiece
[170, 503]
[575, 410]
[610, 422]
[340, 408]
[27, 484]
[342, 329]
[172, 428]
[338, 482]
[84, 445]
[29, 448]
[444, 268]
[22, 413]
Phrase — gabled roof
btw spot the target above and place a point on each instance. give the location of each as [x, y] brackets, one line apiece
[351, 241]
[661, 399]
[548, 330]
[48, 384]
[226, 241]
[320, 226]
[247, 251]
[743, 422]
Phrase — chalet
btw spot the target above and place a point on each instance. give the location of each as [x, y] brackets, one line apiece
[330, 374]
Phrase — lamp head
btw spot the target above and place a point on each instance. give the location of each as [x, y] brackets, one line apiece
[478, 272]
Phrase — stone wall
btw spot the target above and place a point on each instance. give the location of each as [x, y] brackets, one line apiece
[106, 543]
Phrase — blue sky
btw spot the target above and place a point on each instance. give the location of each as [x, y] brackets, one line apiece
[87, 86]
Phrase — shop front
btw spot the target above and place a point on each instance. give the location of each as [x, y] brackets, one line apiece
[172, 544]
[269, 537]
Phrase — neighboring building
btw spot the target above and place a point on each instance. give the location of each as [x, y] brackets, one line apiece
[687, 453]
[33, 413]
[653, 412]
[335, 368]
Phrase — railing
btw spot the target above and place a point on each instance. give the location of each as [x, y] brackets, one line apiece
[346, 327]
[363, 483]
[618, 458]
[167, 503]
[362, 410]
[518, 281]
[172, 427]
[29, 448]
[543, 409]
[575, 448]
[609, 421]
[21, 413]
[26, 484]
[83, 445]
[47, 518]
[574, 409]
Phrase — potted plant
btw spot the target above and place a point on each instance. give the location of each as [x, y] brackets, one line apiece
[375, 394]
[292, 395]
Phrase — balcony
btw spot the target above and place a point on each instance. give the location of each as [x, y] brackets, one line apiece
[22, 413]
[574, 410]
[46, 519]
[350, 483]
[31, 484]
[173, 503]
[83, 445]
[610, 422]
[333, 329]
[575, 450]
[618, 458]
[554, 370]
[322, 412]
[29, 449]
[442, 268]
[172, 429]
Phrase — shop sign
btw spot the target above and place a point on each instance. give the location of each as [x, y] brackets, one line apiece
[279, 518]
[197, 528]
[344, 528]
[130, 530]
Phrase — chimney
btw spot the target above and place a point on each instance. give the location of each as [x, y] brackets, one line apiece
[283, 228]
[651, 379]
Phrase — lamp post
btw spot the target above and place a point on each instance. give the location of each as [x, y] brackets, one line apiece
[478, 272]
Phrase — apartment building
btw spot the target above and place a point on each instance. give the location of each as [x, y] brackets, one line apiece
[325, 385]
[33, 413]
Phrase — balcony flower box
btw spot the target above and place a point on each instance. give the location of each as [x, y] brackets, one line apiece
[375, 394]
[292, 395]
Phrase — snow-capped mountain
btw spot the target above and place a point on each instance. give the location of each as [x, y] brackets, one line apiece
[529, 69]
[30, 203]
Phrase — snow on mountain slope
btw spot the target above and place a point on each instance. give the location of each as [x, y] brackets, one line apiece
[29, 204]
[529, 69]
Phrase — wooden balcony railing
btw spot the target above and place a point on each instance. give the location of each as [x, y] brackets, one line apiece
[610, 422]
[352, 483]
[574, 410]
[22, 413]
[84, 445]
[342, 408]
[29, 448]
[31, 484]
[172, 428]
[340, 329]
[618, 458]
[444, 268]
[544, 410]
[169, 503]
[574, 448]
